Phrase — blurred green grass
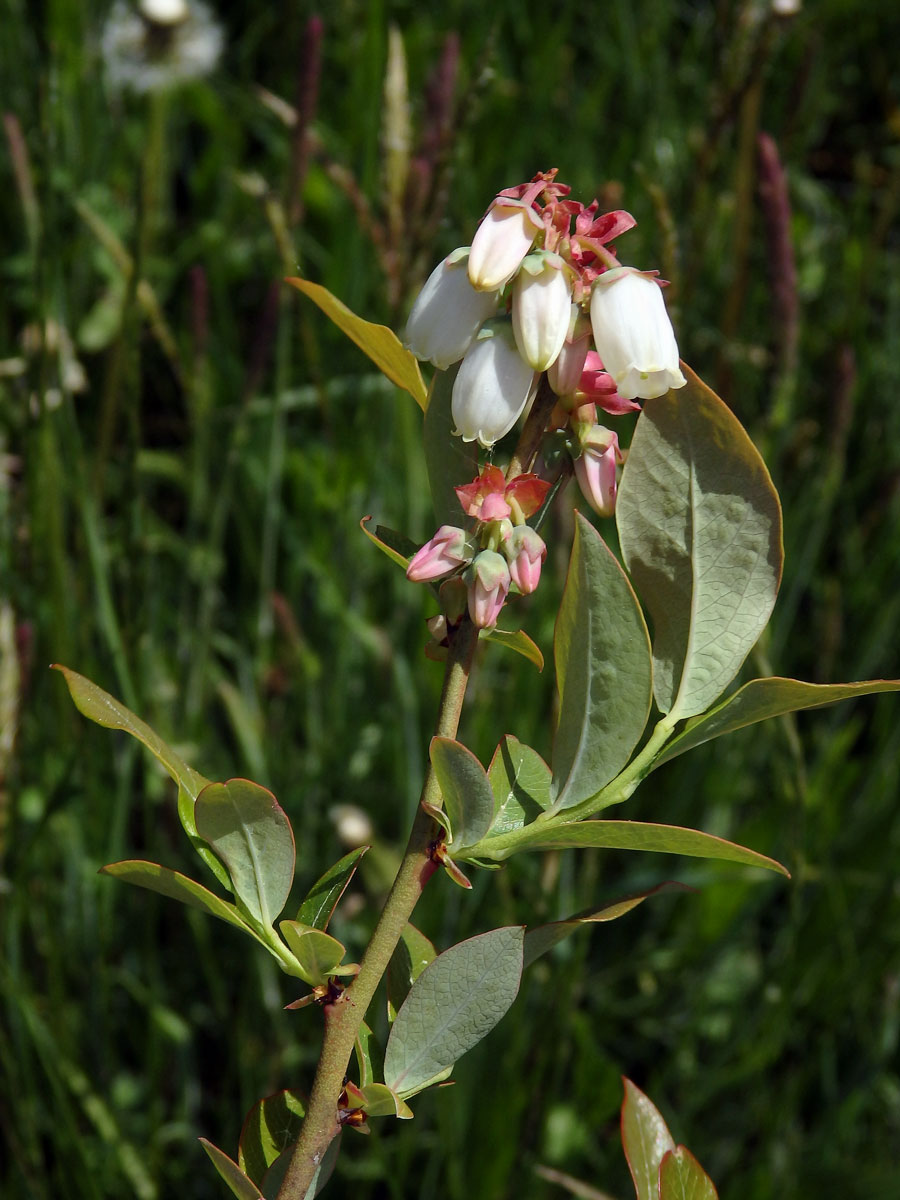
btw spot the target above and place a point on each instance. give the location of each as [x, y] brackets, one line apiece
[183, 529]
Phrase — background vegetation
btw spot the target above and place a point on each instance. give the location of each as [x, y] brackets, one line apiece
[186, 449]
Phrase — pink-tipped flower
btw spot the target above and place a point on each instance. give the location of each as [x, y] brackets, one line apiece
[501, 241]
[525, 552]
[565, 372]
[447, 314]
[595, 470]
[633, 334]
[541, 307]
[446, 551]
[492, 388]
[491, 498]
[488, 580]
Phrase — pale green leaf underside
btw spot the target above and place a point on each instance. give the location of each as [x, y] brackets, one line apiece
[379, 343]
[603, 671]
[646, 1141]
[637, 835]
[516, 640]
[520, 780]
[250, 832]
[700, 528]
[455, 1002]
[761, 699]
[468, 799]
[166, 882]
[449, 460]
[682, 1178]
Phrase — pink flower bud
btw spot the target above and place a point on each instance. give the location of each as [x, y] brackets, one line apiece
[492, 387]
[525, 552]
[446, 551]
[633, 334]
[488, 580]
[565, 372]
[595, 470]
[541, 305]
[447, 314]
[504, 237]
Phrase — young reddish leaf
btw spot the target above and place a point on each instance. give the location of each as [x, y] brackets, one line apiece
[251, 833]
[240, 1185]
[682, 1178]
[322, 898]
[645, 1140]
[269, 1128]
[763, 698]
[377, 342]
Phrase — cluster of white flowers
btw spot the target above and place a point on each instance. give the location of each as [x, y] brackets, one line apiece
[515, 304]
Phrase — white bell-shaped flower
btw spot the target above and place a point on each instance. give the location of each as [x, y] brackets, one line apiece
[505, 235]
[493, 386]
[633, 334]
[448, 313]
[541, 306]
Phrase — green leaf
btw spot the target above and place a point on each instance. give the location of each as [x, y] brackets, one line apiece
[250, 832]
[270, 1127]
[603, 671]
[99, 706]
[378, 342]
[397, 546]
[636, 835]
[700, 529]
[322, 898]
[682, 1178]
[520, 780]
[411, 956]
[763, 698]
[369, 1055]
[450, 461]
[173, 884]
[378, 1100]
[645, 1139]
[455, 1002]
[467, 794]
[544, 937]
[517, 640]
[237, 1181]
[317, 953]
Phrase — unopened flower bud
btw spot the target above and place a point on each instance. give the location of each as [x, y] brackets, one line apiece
[525, 551]
[492, 388]
[595, 470]
[541, 305]
[504, 237]
[488, 580]
[633, 334]
[446, 551]
[447, 314]
[565, 372]
[583, 421]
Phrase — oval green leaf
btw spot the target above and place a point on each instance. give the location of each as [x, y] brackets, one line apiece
[520, 781]
[455, 1002]
[176, 886]
[603, 671]
[449, 460]
[700, 528]
[411, 956]
[631, 835]
[397, 546]
[467, 794]
[645, 1139]
[682, 1178]
[270, 1127]
[516, 640]
[317, 953]
[102, 708]
[250, 832]
[322, 898]
[377, 342]
[763, 698]
[240, 1185]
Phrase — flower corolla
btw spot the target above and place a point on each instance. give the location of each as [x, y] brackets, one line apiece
[541, 307]
[488, 579]
[595, 470]
[448, 313]
[446, 551]
[633, 334]
[504, 237]
[525, 551]
[492, 388]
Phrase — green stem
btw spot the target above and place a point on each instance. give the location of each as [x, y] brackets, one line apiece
[345, 1015]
